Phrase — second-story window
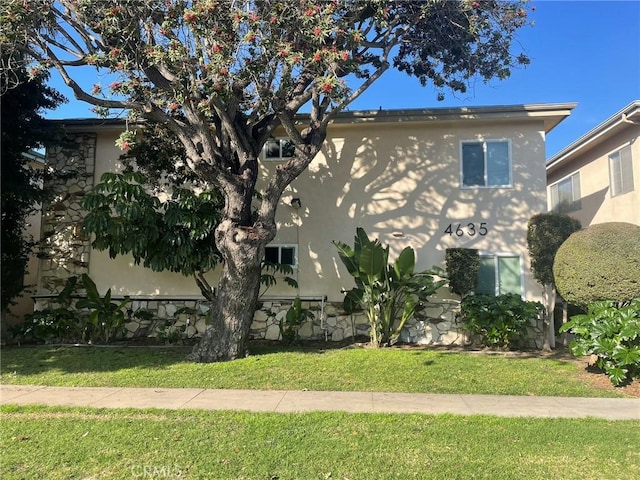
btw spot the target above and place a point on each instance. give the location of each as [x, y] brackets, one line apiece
[278, 149]
[621, 172]
[565, 194]
[486, 163]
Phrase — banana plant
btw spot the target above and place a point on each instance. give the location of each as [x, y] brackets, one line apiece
[388, 293]
[106, 318]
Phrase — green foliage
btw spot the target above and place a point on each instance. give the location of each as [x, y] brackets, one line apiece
[545, 233]
[176, 234]
[601, 262]
[290, 324]
[23, 98]
[170, 333]
[462, 269]
[57, 323]
[269, 275]
[106, 318]
[611, 333]
[500, 321]
[389, 293]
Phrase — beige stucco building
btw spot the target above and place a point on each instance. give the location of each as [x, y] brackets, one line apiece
[596, 179]
[429, 179]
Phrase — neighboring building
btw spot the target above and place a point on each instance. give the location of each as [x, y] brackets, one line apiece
[596, 179]
[430, 179]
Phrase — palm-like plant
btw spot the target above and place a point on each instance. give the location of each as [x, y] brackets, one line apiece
[388, 293]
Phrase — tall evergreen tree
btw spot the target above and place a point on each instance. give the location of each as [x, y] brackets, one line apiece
[24, 96]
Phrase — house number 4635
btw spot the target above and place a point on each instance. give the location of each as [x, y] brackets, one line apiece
[470, 229]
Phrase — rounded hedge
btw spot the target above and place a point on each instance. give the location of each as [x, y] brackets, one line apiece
[601, 262]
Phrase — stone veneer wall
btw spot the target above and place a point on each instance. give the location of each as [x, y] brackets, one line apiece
[186, 319]
[66, 251]
[436, 324]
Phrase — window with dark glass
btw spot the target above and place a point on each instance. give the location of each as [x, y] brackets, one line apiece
[486, 164]
[283, 254]
[499, 274]
[565, 194]
[279, 149]
[621, 172]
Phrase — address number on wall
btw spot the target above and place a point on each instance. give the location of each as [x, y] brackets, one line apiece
[470, 229]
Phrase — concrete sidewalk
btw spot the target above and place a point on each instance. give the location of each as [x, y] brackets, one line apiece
[281, 401]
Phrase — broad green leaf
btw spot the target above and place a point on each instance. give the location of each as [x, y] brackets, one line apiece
[405, 263]
[347, 255]
[353, 300]
[372, 262]
[90, 287]
[617, 375]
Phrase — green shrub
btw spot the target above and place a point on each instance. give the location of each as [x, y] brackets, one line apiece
[106, 319]
[601, 262]
[57, 323]
[500, 321]
[463, 265]
[546, 232]
[613, 334]
[290, 324]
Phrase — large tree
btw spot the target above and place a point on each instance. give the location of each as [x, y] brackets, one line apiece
[223, 75]
[23, 98]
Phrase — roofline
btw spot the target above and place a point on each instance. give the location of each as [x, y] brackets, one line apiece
[553, 113]
[620, 117]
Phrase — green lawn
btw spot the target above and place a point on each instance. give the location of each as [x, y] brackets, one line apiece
[82, 443]
[346, 369]
[64, 443]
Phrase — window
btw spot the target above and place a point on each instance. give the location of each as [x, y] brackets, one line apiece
[486, 164]
[621, 172]
[565, 194]
[284, 254]
[278, 149]
[499, 274]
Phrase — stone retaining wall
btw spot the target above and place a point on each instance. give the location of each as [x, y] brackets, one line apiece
[178, 319]
[435, 326]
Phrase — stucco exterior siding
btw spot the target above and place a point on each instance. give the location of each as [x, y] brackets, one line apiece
[402, 185]
[590, 157]
[399, 181]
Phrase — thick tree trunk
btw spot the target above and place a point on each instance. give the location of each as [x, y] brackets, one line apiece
[226, 337]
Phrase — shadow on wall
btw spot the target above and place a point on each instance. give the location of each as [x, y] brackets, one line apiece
[408, 193]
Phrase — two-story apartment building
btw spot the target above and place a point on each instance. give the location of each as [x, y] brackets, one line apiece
[596, 179]
[429, 179]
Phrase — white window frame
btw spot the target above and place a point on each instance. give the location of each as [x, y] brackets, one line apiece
[279, 158]
[484, 143]
[280, 246]
[622, 170]
[576, 199]
[496, 271]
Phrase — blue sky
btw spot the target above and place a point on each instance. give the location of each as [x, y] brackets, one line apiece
[581, 51]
